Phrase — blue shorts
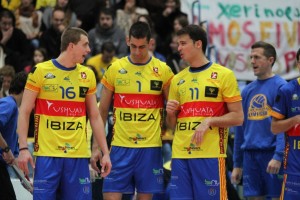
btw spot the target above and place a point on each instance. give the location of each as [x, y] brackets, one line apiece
[256, 180]
[199, 178]
[135, 168]
[290, 187]
[61, 178]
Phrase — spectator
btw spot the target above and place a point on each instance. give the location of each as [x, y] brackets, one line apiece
[7, 73]
[11, 5]
[39, 55]
[106, 30]
[86, 11]
[128, 15]
[16, 46]
[70, 19]
[29, 21]
[42, 4]
[164, 23]
[50, 39]
[102, 60]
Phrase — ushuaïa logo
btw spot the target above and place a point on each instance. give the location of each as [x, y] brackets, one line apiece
[137, 138]
[84, 181]
[157, 172]
[191, 148]
[66, 148]
[211, 183]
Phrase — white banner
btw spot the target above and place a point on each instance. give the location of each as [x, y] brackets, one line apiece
[234, 25]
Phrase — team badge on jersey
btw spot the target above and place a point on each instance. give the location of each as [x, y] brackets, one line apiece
[211, 91]
[156, 85]
[214, 75]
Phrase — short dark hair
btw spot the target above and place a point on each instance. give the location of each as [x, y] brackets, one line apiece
[140, 30]
[196, 33]
[18, 83]
[298, 55]
[7, 13]
[71, 35]
[108, 46]
[107, 11]
[269, 50]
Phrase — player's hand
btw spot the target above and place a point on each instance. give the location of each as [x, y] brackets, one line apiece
[8, 157]
[105, 165]
[96, 157]
[200, 131]
[273, 166]
[23, 159]
[236, 175]
[172, 106]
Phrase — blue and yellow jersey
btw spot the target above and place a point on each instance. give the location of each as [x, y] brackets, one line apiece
[138, 101]
[201, 94]
[287, 105]
[60, 110]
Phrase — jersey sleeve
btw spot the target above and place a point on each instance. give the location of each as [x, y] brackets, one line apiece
[231, 91]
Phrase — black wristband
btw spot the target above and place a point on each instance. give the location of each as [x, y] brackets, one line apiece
[24, 148]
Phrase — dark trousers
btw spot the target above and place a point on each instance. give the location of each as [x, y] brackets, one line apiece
[7, 191]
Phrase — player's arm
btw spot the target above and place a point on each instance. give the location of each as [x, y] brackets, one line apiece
[28, 102]
[98, 133]
[234, 117]
[282, 125]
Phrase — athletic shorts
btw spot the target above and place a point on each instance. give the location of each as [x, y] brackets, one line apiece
[61, 178]
[256, 180]
[135, 168]
[290, 187]
[199, 178]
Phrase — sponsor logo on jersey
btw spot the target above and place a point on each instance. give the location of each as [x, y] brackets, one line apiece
[83, 91]
[211, 91]
[156, 85]
[49, 76]
[192, 148]
[50, 88]
[137, 138]
[122, 82]
[122, 71]
[181, 82]
[295, 97]
[258, 108]
[213, 183]
[66, 148]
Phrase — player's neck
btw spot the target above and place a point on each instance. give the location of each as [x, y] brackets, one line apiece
[65, 60]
